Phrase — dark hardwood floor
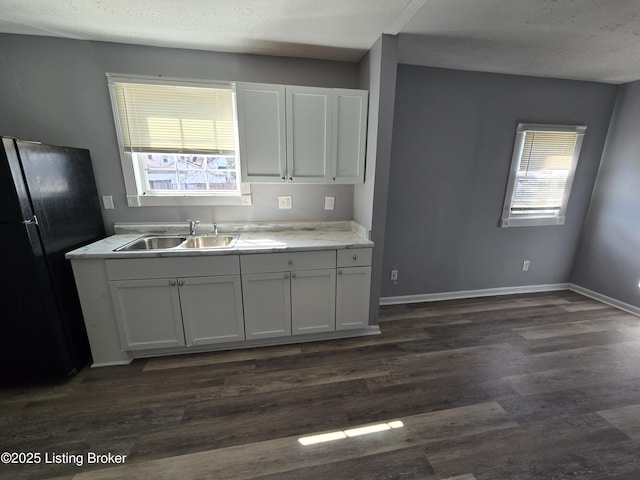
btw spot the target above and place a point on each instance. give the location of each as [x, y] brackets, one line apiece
[541, 386]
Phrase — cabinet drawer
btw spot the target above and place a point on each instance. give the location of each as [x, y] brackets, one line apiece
[282, 262]
[134, 268]
[354, 257]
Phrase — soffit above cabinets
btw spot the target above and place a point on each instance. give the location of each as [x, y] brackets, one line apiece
[596, 40]
[325, 29]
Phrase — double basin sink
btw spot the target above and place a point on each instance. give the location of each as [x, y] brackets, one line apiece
[166, 242]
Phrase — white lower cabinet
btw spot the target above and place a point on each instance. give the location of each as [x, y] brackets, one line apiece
[267, 305]
[352, 297]
[148, 313]
[188, 302]
[288, 294]
[212, 309]
[313, 301]
[353, 288]
[178, 310]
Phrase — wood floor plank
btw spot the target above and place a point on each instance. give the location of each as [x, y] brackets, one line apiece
[317, 375]
[182, 361]
[554, 449]
[604, 321]
[626, 419]
[547, 406]
[407, 463]
[570, 342]
[579, 367]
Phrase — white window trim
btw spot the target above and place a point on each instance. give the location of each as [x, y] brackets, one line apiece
[133, 181]
[532, 220]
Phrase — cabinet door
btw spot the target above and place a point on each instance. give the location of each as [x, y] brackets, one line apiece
[148, 313]
[211, 309]
[308, 134]
[313, 301]
[267, 304]
[261, 132]
[349, 135]
[352, 297]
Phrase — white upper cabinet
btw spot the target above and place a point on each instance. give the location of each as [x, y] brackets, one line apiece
[262, 132]
[301, 134]
[308, 134]
[349, 133]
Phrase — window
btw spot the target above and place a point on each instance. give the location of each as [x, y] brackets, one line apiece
[542, 168]
[178, 141]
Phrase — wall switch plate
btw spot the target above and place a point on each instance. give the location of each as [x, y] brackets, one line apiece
[246, 200]
[394, 275]
[329, 203]
[107, 202]
[284, 202]
[525, 265]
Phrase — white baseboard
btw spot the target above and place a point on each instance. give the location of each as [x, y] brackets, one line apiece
[111, 364]
[261, 342]
[485, 292]
[605, 299]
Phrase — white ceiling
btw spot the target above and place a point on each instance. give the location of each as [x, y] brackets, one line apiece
[581, 39]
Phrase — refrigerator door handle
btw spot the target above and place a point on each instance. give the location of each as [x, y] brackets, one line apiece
[32, 221]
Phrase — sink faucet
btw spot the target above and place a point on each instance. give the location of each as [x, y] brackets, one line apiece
[193, 226]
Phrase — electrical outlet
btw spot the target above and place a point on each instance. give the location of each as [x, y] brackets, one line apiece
[246, 200]
[284, 202]
[133, 201]
[525, 265]
[329, 203]
[107, 202]
[394, 275]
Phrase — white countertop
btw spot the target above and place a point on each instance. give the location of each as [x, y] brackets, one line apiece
[279, 237]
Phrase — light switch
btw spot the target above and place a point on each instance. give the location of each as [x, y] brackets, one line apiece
[107, 202]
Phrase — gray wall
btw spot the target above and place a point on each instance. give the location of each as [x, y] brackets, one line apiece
[378, 74]
[452, 144]
[609, 257]
[55, 91]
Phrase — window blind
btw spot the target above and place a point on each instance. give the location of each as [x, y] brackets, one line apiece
[545, 167]
[167, 118]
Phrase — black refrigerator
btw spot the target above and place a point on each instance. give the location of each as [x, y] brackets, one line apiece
[48, 206]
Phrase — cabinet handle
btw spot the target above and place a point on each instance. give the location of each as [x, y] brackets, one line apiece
[180, 282]
[172, 282]
[333, 179]
[283, 178]
[291, 179]
[290, 261]
[286, 276]
[355, 257]
[339, 272]
[293, 275]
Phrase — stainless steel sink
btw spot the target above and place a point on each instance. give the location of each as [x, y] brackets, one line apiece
[152, 243]
[210, 241]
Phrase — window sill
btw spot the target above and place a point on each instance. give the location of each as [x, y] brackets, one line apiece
[530, 221]
[187, 200]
